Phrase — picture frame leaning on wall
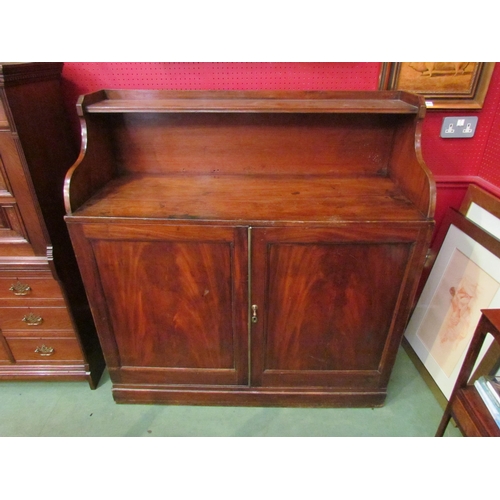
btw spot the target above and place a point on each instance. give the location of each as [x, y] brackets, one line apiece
[464, 278]
[482, 208]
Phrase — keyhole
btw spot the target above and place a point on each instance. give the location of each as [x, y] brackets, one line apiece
[254, 314]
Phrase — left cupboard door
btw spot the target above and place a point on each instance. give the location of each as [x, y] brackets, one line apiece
[170, 302]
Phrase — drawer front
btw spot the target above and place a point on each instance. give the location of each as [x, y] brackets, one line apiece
[462, 417]
[27, 288]
[34, 320]
[45, 350]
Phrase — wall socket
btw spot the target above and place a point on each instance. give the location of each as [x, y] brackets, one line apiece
[458, 127]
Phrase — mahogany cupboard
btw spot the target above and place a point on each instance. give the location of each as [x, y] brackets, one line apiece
[46, 328]
[250, 248]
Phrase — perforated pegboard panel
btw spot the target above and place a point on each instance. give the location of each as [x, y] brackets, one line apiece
[223, 76]
[479, 156]
[489, 168]
[85, 77]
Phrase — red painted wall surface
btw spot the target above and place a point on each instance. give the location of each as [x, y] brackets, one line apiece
[454, 162]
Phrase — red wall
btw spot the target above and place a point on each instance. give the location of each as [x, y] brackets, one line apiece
[454, 162]
[457, 162]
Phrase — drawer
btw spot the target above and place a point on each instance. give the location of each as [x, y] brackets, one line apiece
[29, 288]
[467, 425]
[45, 350]
[34, 319]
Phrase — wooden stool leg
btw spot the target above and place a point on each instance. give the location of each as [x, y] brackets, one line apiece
[445, 420]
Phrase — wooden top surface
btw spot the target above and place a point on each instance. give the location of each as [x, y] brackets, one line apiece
[493, 315]
[123, 101]
[23, 72]
[251, 198]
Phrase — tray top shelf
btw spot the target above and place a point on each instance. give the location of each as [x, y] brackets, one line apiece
[158, 101]
[349, 151]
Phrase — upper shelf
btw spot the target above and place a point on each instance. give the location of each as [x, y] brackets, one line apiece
[158, 101]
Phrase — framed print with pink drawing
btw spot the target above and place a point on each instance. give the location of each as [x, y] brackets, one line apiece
[464, 279]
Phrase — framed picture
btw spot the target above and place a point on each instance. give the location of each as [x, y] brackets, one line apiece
[464, 279]
[458, 85]
[483, 209]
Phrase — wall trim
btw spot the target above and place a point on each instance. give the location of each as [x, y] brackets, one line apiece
[462, 181]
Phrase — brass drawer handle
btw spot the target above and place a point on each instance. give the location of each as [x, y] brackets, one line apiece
[20, 288]
[43, 350]
[254, 314]
[32, 319]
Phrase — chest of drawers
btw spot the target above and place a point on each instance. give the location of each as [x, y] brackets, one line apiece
[46, 329]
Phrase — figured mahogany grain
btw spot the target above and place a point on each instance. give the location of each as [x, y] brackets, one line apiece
[333, 302]
[174, 300]
[330, 305]
[250, 247]
[188, 324]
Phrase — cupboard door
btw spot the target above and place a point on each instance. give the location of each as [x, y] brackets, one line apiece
[331, 304]
[170, 301]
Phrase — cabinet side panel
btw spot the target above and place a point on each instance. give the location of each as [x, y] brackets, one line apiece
[47, 142]
[409, 171]
[96, 163]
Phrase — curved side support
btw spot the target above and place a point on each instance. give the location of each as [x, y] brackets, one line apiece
[70, 198]
[430, 191]
[408, 168]
[95, 164]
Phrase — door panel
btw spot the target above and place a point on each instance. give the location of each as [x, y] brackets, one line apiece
[327, 304]
[175, 300]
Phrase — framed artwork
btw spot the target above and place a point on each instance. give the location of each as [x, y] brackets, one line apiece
[456, 85]
[482, 208]
[464, 279]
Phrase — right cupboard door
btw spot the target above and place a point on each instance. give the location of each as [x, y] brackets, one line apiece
[331, 303]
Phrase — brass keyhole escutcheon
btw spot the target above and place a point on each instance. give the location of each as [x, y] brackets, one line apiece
[254, 314]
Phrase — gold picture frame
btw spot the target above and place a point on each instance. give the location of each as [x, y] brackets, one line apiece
[443, 85]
